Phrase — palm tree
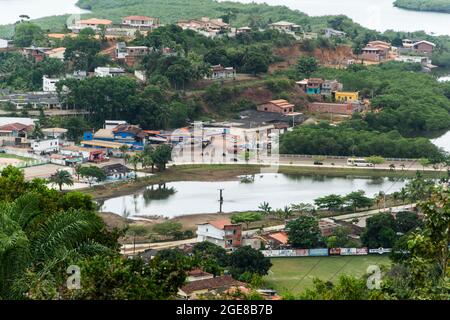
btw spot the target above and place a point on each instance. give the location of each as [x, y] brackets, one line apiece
[135, 160]
[266, 208]
[41, 247]
[61, 177]
[124, 149]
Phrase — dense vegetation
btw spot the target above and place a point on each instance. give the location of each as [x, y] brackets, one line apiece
[404, 102]
[424, 5]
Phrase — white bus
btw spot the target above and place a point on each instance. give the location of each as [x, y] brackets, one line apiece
[359, 162]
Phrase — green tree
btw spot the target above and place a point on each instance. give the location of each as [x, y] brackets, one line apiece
[304, 232]
[307, 66]
[248, 260]
[375, 160]
[246, 217]
[56, 241]
[27, 34]
[161, 156]
[60, 178]
[330, 202]
[380, 231]
[93, 173]
[406, 221]
[357, 199]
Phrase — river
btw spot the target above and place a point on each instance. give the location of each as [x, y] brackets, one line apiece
[10, 10]
[279, 190]
[380, 15]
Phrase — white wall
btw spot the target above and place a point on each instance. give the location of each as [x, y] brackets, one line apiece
[209, 231]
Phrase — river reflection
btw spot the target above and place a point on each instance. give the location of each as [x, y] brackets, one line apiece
[279, 190]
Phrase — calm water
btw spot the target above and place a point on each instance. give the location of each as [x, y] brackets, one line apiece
[380, 15]
[277, 189]
[10, 10]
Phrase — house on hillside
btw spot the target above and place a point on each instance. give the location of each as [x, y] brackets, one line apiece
[337, 108]
[206, 26]
[105, 72]
[376, 51]
[424, 47]
[285, 26]
[56, 53]
[220, 72]
[342, 96]
[332, 33]
[49, 84]
[93, 23]
[277, 106]
[141, 22]
[220, 232]
[37, 54]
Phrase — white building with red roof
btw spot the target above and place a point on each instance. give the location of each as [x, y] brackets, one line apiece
[220, 232]
[140, 21]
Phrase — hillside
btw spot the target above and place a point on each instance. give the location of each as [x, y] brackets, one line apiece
[171, 11]
[424, 5]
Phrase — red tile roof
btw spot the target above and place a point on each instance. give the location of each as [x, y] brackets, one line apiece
[220, 224]
[198, 273]
[281, 237]
[14, 127]
[223, 282]
[145, 18]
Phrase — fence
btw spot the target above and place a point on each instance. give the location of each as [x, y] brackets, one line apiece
[37, 160]
[323, 252]
[308, 156]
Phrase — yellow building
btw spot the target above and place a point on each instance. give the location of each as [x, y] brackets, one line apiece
[346, 96]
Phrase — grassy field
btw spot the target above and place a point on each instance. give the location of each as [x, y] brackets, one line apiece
[297, 274]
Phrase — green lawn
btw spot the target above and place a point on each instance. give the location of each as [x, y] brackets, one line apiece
[296, 274]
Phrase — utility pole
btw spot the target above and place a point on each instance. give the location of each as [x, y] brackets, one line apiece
[221, 199]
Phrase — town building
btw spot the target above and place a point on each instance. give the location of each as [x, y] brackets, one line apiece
[278, 106]
[337, 108]
[93, 23]
[197, 275]
[54, 133]
[5, 44]
[330, 86]
[117, 171]
[213, 286]
[12, 134]
[130, 54]
[425, 62]
[121, 134]
[376, 51]
[105, 72]
[49, 84]
[332, 33]
[220, 232]
[285, 26]
[56, 53]
[37, 54]
[47, 100]
[141, 22]
[423, 47]
[342, 96]
[243, 30]
[219, 72]
[314, 86]
[45, 146]
[206, 26]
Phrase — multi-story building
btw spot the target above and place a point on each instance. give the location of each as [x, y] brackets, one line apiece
[141, 22]
[220, 232]
[285, 26]
[49, 84]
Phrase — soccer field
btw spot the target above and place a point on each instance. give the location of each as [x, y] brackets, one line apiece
[297, 274]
